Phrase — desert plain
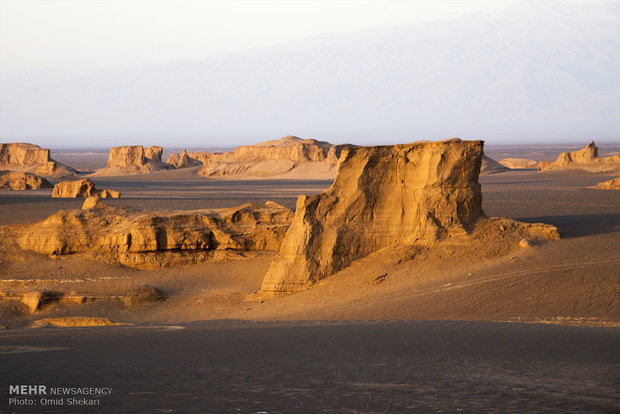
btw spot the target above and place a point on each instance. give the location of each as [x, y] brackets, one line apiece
[488, 321]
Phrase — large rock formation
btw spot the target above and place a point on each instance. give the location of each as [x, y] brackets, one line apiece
[288, 157]
[81, 188]
[585, 159]
[134, 159]
[519, 163]
[153, 240]
[388, 196]
[382, 196]
[31, 158]
[11, 180]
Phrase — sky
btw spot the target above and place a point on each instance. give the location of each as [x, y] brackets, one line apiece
[98, 73]
[44, 34]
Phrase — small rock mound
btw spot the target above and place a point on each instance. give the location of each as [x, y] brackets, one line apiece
[82, 188]
[183, 160]
[144, 295]
[519, 163]
[11, 180]
[92, 202]
[584, 159]
[74, 322]
[613, 184]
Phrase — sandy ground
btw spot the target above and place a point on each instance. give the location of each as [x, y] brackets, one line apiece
[345, 367]
[386, 366]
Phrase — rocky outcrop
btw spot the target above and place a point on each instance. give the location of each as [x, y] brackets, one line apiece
[154, 240]
[613, 184]
[82, 188]
[585, 159]
[288, 157]
[133, 159]
[31, 158]
[11, 180]
[519, 163]
[490, 166]
[22, 154]
[382, 196]
[74, 322]
[183, 160]
[142, 296]
[388, 197]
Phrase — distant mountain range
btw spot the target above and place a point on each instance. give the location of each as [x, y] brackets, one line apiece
[536, 71]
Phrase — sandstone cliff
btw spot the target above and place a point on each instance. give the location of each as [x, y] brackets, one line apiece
[585, 159]
[519, 163]
[153, 240]
[133, 159]
[81, 188]
[288, 157]
[384, 197]
[11, 180]
[31, 158]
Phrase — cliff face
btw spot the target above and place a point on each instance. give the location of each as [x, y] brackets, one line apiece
[81, 188]
[153, 240]
[11, 180]
[585, 159]
[133, 159]
[21, 154]
[31, 158]
[288, 157]
[382, 196]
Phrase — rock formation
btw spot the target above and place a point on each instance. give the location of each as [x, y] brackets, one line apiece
[288, 157]
[31, 158]
[11, 180]
[81, 188]
[183, 160]
[153, 240]
[613, 184]
[585, 159]
[519, 163]
[490, 166]
[382, 196]
[134, 159]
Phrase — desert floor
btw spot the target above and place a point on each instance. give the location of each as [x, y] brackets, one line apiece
[470, 328]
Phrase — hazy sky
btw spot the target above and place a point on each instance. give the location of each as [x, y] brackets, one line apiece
[102, 33]
[222, 73]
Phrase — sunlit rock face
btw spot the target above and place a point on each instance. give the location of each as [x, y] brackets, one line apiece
[134, 159]
[31, 158]
[584, 159]
[382, 196]
[82, 188]
[12, 180]
[287, 156]
[152, 240]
